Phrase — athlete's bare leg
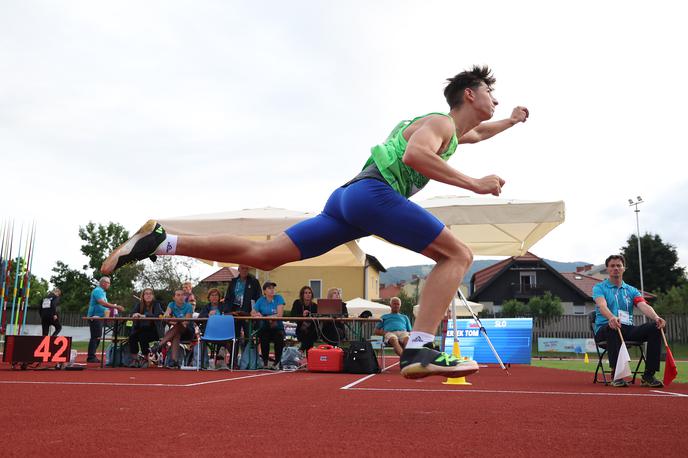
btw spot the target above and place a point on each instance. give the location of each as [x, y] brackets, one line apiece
[453, 259]
[147, 242]
[263, 254]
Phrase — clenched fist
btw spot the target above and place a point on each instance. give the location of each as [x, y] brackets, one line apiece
[520, 114]
[491, 184]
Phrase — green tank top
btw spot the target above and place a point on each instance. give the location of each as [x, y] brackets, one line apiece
[387, 157]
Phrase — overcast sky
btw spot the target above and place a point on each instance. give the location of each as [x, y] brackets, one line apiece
[122, 111]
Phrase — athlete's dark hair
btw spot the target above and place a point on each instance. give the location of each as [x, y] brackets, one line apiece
[464, 80]
[618, 257]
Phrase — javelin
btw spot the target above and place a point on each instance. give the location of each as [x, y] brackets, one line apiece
[16, 278]
[28, 276]
[22, 276]
[482, 328]
[3, 265]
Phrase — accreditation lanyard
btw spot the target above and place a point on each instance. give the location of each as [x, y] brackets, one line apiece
[624, 315]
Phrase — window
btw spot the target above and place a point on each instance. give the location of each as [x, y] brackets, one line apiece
[316, 286]
[579, 309]
[528, 281]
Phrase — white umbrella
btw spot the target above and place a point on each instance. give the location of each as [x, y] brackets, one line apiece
[261, 224]
[494, 226]
[358, 305]
[489, 226]
[460, 311]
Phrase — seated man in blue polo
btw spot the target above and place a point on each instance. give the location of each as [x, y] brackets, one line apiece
[395, 327]
[270, 304]
[615, 300]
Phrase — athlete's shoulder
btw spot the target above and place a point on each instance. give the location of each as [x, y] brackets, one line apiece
[439, 123]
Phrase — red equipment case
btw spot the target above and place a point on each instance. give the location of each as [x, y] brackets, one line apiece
[325, 358]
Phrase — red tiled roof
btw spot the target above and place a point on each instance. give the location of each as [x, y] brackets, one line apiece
[585, 283]
[481, 277]
[223, 275]
[389, 291]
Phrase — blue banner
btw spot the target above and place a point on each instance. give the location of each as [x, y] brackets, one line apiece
[511, 337]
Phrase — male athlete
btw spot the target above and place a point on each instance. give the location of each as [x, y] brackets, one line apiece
[414, 153]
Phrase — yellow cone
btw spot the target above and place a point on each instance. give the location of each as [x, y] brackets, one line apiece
[586, 360]
[456, 353]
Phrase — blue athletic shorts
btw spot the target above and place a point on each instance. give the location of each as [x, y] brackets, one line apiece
[366, 207]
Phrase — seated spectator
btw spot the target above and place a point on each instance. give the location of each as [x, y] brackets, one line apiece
[144, 332]
[270, 304]
[243, 291]
[395, 327]
[189, 297]
[333, 333]
[214, 307]
[306, 332]
[181, 330]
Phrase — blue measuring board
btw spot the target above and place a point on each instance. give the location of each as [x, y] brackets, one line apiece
[511, 337]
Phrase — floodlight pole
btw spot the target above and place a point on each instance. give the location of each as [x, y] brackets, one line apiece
[635, 204]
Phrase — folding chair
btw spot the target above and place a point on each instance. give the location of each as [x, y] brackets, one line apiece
[219, 329]
[601, 354]
[375, 338]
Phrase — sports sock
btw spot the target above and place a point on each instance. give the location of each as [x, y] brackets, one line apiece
[417, 339]
[167, 247]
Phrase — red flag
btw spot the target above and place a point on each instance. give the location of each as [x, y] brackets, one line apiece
[670, 371]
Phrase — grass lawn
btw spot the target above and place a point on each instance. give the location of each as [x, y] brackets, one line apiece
[573, 362]
[579, 365]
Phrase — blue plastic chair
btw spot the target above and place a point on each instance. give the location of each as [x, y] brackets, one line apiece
[219, 329]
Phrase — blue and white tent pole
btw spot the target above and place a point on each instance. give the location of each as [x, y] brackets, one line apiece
[482, 329]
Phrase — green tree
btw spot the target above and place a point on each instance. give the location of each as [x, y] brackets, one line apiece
[674, 301]
[539, 307]
[407, 303]
[76, 287]
[545, 307]
[165, 276]
[99, 241]
[39, 289]
[660, 263]
[38, 286]
[513, 308]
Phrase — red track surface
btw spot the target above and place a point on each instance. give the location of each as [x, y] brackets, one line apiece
[154, 412]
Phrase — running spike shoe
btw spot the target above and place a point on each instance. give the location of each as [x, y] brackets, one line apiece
[141, 246]
[424, 361]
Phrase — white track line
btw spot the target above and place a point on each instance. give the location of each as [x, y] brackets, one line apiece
[682, 395]
[235, 378]
[357, 382]
[470, 391]
[347, 387]
[177, 385]
[26, 382]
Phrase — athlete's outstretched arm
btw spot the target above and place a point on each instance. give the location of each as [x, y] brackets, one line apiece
[485, 130]
[422, 154]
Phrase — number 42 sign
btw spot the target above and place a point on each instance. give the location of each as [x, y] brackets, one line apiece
[37, 349]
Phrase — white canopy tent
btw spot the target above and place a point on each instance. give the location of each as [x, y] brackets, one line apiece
[496, 227]
[261, 224]
[460, 311]
[358, 305]
[488, 225]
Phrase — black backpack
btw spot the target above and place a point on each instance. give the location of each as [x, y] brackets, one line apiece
[360, 358]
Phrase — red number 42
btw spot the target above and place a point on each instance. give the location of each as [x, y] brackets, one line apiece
[43, 350]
